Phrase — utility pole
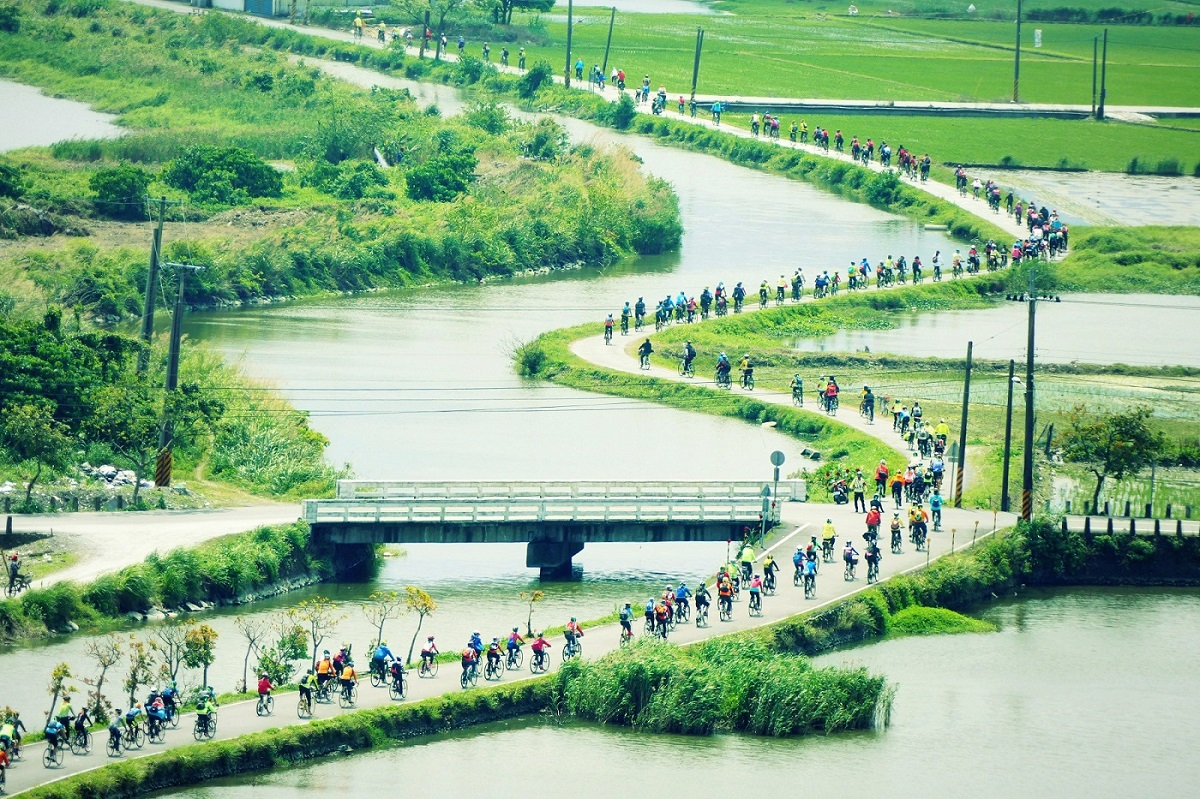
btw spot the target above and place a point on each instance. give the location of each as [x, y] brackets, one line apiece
[1103, 76]
[1004, 503]
[696, 62]
[1017, 60]
[1027, 476]
[1095, 59]
[962, 433]
[570, 26]
[143, 361]
[162, 468]
[608, 44]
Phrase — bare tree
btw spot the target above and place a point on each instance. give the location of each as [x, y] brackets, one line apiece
[532, 597]
[172, 641]
[141, 666]
[106, 652]
[381, 606]
[254, 629]
[318, 616]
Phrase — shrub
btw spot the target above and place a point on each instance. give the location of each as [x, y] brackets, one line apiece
[532, 80]
[216, 172]
[442, 178]
[121, 192]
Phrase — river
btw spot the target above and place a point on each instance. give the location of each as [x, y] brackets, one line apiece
[46, 120]
[1082, 693]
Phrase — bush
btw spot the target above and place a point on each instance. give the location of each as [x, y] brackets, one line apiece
[10, 19]
[532, 80]
[442, 178]
[217, 174]
[121, 192]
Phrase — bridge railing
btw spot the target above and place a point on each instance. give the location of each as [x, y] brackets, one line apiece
[502, 491]
[596, 509]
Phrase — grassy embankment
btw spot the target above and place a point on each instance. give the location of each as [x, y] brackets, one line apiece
[494, 197]
[217, 571]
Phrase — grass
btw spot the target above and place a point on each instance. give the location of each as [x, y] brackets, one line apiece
[934, 621]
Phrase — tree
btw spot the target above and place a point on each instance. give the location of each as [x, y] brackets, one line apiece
[172, 638]
[381, 606]
[421, 603]
[199, 649]
[532, 597]
[291, 644]
[33, 436]
[317, 616]
[126, 417]
[106, 652]
[58, 677]
[141, 666]
[1110, 445]
[121, 192]
[439, 11]
[245, 173]
[253, 629]
[504, 8]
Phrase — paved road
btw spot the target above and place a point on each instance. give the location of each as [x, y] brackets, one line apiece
[800, 521]
[111, 541]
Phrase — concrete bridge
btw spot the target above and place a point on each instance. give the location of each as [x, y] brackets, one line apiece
[555, 518]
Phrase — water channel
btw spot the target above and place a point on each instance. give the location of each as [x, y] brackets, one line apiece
[1082, 693]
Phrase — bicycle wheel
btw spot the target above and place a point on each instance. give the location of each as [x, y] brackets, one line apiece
[260, 709]
[398, 689]
[303, 709]
[49, 759]
[516, 659]
[173, 718]
[376, 679]
[465, 679]
[139, 737]
[114, 747]
[158, 735]
[199, 730]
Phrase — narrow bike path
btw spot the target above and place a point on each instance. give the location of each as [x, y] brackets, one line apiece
[942, 191]
[800, 521]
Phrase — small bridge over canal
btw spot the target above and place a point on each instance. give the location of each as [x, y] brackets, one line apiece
[555, 518]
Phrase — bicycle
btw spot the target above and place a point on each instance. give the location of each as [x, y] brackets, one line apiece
[378, 673]
[608, 335]
[323, 695]
[172, 716]
[827, 549]
[572, 650]
[494, 670]
[897, 548]
[428, 668]
[797, 397]
[53, 756]
[686, 369]
[872, 572]
[848, 575]
[769, 583]
[798, 577]
[649, 626]
[516, 658]
[810, 586]
[683, 613]
[645, 362]
[539, 663]
[702, 616]
[134, 737]
[265, 706]
[469, 677]
[723, 381]
[665, 629]
[158, 733]
[398, 687]
[18, 584]
[726, 608]
[304, 708]
[626, 637]
[81, 743]
[755, 603]
[748, 380]
[348, 697]
[113, 747]
[920, 540]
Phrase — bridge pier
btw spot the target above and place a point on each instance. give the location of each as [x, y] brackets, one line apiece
[552, 558]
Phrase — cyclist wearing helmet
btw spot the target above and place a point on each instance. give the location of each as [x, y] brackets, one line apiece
[514, 639]
[476, 643]
[324, 670]
[381, 657]
[429, 651]
[573, 631]
[681, 595]
[264, 685]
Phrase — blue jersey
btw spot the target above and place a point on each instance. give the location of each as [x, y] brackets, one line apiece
[935, 502]
[683, 592]
[382, 653]
[810, 567]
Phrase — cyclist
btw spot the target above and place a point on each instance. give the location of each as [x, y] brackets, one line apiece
[573, 632]
[131, 716]
[828, 534]
[725, 595]
[514, 640]
[264, 686]
[644, 353]
[650, 613]
[639, 313]
[6, 734]
[770, 569]
[114, 729]
[324, 670]
[868, 404]
[608, 328]
[781, 289]
[626, 618]
[739, 297]
[54, 729]
[397, 671]
[156, 714]
[204, 712]
[747, 370]
[895, 528]
[477, 644]
[339, 660]
[681, 595]
[873, 520]
[380, 658]
[703, 599]
[724, 367]
[626, 312]
[539, 647]
[756, 592]
[810, 575]
[348, 678]
[935, 508]
[82, 722]
[306, 685]
[493, 654]
[764, 291]
[662, 617]
[689, 355]
[747, 559]
[798, 560]
[429, 652]
[170, 696]
[18, 727]
[874, 557]
[798, 389]
[850, 556]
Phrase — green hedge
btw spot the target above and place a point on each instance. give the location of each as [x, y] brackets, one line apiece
[212, 572]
